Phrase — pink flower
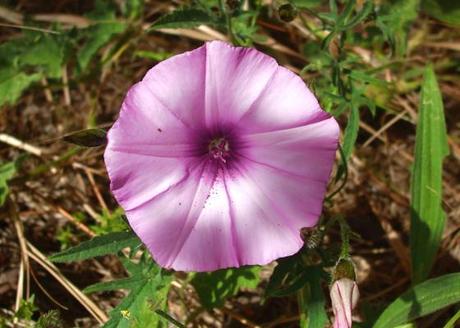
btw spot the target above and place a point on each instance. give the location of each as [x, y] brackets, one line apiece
[219, 158]
[344, 297]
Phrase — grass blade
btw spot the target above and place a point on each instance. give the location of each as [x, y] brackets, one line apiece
[421, 300]
[427, 215]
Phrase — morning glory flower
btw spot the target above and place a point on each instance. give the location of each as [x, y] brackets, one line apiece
[219, 157]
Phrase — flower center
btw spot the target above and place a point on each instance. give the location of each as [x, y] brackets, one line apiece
[219, 149]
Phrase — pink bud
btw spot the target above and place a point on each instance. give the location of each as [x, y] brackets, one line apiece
[344, 297]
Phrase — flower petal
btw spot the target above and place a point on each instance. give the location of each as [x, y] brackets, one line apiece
[285, 102]
[267, 211]
[188, 227]
[235, 78]
[344, 297]
[307, 151]
[179, 84]
[148, 149]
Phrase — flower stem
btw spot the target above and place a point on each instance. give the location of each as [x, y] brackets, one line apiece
[228, 20]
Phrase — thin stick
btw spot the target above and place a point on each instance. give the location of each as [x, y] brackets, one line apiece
[46, 292]
[99, 197]
[65, 82]
[47, 91]
[75, 222]
[30, 28]
[84, 300]
[25, 266]
[14, 142]
[384, 128]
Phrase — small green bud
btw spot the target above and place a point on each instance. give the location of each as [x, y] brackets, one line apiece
[287, 12]
[344, 269]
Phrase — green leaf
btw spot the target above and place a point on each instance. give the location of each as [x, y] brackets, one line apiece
[421, 300]
[452, 321]
[100, 33]
[287, 278]
[184, 18]
[427, 217]
[7, 171]
[214, 288]
[446, 11]
[138, 308]
[395, 20]
[306, 4]
[312, 302]
[98, 246]
[13, 83]
[125, 283]
[351, 131]
[46, 52]
[156, 56]
[87, 138]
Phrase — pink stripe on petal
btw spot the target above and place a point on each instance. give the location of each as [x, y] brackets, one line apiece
[286, 102]
[179, 85]
[307, 151]
[235, 78]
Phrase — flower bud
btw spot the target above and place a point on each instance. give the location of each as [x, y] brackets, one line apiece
[344, 269]
[344, 296]
[287, 12]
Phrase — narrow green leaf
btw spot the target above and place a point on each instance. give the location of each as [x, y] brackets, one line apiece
[427, 217]
[184, 18]
[98, 246]
[7, 171]
[447, 11]
[87, 138]
[421, 300]
[351, 131]
[170, 319]
[306, 4]
[214, 288]
[105, 28]
[395, 19]
[312, 302]
[452, 321]
[125, 283]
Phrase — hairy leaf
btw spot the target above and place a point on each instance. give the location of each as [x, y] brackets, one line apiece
[427, 217]
[421, 300]
[98, 246]
[149, 287]
[125, 283]
[351, 131]
[395, 20]
[184, 18]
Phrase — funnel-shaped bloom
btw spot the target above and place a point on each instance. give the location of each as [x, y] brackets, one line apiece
[219, 158]
[344, 297]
